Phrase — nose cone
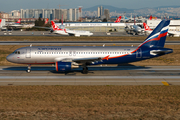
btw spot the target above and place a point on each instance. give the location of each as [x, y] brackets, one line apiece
[9, 58]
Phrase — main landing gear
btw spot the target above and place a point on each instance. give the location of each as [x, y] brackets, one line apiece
[29, 68]
[85, 70]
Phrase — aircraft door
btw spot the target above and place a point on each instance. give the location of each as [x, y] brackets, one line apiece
[74, 53]
[28, 53]
[70, 53]
[139, 53]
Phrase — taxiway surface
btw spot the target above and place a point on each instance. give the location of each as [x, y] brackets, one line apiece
[98, 75]
[80, 42]
[47, 33]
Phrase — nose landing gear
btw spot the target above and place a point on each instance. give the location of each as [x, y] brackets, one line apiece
[29, 68]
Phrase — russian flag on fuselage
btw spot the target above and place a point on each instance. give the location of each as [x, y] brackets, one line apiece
[158, 36]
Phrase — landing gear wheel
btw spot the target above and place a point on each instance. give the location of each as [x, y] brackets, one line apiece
[29, 69]
[85, 70]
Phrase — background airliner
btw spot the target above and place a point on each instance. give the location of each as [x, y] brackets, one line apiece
[66, 58]
[64, 31]
[171, 32]
[16, 25]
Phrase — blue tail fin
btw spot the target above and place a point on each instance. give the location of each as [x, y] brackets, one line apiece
[158, 36]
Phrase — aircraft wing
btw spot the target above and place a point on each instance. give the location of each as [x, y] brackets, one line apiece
[81, 60]
[48, 28]
[87, 60]
[13, 26]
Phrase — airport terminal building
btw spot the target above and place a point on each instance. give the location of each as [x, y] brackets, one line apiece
[95, 26]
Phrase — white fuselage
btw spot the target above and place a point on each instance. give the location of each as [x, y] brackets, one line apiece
[51, 54]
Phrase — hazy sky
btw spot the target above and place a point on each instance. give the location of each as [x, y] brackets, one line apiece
[9, 5]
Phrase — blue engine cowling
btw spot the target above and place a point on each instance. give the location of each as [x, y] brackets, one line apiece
[63, 66]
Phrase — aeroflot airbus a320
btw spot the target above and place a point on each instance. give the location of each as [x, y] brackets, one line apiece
[66, 58]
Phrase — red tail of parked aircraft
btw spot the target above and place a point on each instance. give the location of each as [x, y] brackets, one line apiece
[19, 21]
[150, 18]
[46, 21]
[118, 19]
[146, 27]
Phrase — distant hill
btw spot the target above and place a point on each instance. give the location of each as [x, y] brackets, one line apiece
[157, 11]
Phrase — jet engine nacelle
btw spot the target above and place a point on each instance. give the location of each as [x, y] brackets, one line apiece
[65, 66]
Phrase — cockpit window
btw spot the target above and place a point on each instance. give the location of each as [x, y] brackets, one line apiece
[16, 52]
